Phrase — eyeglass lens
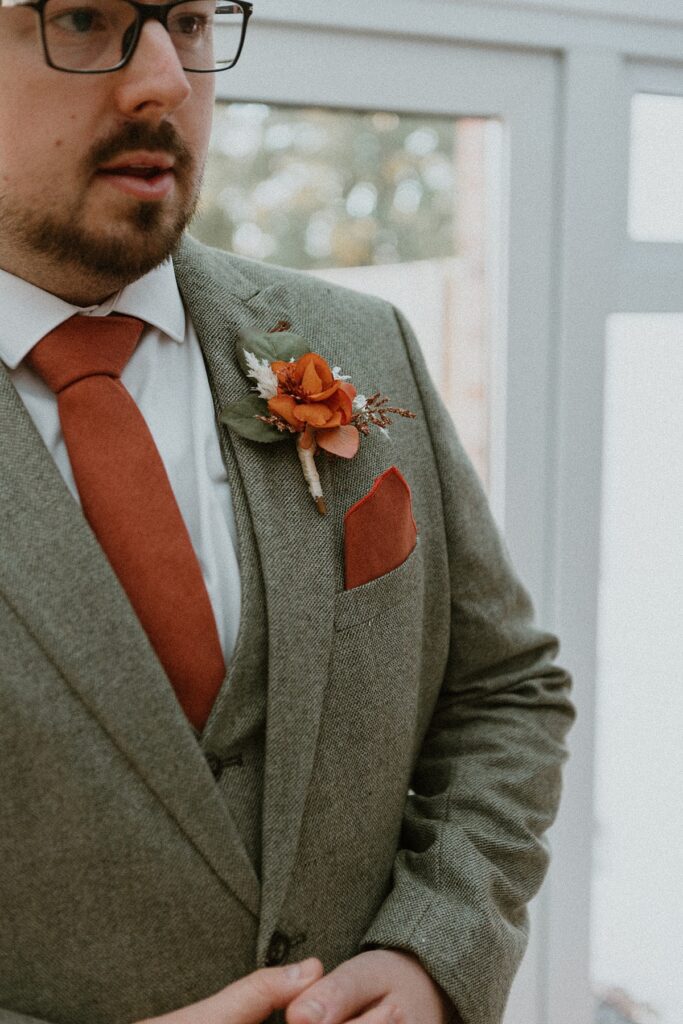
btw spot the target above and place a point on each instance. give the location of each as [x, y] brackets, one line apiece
[97, 35]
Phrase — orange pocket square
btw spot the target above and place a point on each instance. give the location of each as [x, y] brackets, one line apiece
[379, 530]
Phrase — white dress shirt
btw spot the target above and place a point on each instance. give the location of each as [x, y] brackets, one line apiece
[167, 379]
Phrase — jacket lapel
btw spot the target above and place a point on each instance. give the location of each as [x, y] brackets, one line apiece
[53, 574]
[298, 559]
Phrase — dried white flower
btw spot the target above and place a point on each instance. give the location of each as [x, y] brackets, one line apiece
[359, 402]
[260, 371]
[338, 375]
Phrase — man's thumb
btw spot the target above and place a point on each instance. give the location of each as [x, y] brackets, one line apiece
[252, 999]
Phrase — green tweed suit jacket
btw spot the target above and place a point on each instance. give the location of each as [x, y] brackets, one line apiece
[380, 765]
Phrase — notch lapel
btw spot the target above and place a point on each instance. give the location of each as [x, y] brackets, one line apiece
[57, 580]
[297, 552]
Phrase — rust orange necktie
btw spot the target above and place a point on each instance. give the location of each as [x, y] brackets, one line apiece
[128, 500]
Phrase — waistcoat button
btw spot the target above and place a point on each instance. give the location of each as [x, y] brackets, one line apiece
[215, 764]
[278, 950]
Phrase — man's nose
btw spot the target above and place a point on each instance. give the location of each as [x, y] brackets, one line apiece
[153, 82]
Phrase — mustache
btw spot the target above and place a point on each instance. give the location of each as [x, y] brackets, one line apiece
[140, 135]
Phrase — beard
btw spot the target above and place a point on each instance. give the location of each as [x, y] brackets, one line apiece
[64, 240]
[113, 258]
[129, 248]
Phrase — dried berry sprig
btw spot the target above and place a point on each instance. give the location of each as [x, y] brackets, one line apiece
[278, 423]
[378, 412]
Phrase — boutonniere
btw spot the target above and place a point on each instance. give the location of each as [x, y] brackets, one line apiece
[299, 396]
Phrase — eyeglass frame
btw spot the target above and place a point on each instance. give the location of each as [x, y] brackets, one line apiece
[143, 13]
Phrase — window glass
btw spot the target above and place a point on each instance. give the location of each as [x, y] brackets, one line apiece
[398, 206]
[656, 187]
[638, 866]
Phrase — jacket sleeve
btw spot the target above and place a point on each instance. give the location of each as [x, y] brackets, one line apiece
[486, 782]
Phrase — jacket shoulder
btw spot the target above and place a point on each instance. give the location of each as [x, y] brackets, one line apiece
[255, 277]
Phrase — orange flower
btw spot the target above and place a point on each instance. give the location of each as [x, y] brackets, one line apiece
[309, 396]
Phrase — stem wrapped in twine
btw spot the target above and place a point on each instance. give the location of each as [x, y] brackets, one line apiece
[306, 449]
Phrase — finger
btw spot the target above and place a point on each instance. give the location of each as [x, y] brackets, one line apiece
[346, 991]
[253, 998]
[385, 1013]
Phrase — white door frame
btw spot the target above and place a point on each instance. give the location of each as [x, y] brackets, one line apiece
[603, 271]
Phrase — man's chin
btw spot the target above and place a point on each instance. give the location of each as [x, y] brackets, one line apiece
[123, 259]
[142, 240]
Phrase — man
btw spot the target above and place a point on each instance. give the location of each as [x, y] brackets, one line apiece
[368, 782]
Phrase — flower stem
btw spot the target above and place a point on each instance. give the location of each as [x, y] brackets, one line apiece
[307, 459]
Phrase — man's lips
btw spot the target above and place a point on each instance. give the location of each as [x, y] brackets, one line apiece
[139, 185]
[135, 172]
[143, 175]
[142, 162]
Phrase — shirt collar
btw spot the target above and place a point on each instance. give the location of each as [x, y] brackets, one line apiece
[29, 313]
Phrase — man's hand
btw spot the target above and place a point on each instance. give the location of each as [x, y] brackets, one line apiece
[250, 1000]
[382, 986]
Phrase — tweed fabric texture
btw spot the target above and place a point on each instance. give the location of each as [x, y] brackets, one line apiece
[414, 730]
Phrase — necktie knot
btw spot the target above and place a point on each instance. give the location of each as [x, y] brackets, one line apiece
[85, 346]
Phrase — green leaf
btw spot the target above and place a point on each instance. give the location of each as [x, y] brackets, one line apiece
[283, 345]
[241, 417]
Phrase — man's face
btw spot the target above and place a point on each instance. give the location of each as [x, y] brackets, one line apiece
[68, 221]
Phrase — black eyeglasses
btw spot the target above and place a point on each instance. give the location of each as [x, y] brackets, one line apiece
[89, 37]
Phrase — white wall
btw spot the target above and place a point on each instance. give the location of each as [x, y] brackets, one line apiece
[642, 10]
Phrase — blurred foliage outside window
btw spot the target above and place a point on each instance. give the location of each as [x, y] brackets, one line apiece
[314, 189]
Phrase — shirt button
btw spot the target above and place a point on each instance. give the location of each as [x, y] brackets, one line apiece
[278, 950]
[215, 764]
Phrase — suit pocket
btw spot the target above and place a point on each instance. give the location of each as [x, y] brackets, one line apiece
[366, 602]
[372, 703]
